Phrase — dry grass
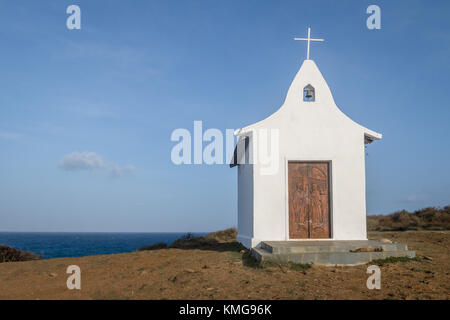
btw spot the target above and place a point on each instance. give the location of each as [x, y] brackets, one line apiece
[226, 235]
[217, 274]
[423, 219]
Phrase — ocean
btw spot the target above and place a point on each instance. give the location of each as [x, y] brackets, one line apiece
[73, 244]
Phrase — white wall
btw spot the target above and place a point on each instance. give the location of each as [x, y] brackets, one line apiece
[309, 131]
[245, 204]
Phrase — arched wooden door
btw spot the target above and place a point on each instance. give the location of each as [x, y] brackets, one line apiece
[309, 200]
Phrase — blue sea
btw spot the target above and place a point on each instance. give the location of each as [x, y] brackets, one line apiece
[67, 244]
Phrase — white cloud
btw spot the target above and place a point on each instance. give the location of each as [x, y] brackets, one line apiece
[81, 161]
[90, 160]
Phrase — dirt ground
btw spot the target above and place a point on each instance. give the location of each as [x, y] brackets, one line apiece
[205, 274]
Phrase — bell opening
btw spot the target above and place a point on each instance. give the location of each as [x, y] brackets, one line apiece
[309, 93]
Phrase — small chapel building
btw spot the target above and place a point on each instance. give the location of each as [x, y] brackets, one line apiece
[318, 190]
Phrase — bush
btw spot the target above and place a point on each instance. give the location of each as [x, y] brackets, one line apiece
[224, 240]
[155, 246]
[8, 254]
[187, 237]
[423, 219]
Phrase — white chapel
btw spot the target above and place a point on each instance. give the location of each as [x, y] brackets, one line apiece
[318, 189]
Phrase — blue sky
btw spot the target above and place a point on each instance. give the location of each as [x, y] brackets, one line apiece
[135, 72]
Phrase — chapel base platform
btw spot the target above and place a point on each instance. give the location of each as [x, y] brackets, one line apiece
[329, 252]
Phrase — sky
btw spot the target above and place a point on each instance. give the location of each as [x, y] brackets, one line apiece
[86, 115]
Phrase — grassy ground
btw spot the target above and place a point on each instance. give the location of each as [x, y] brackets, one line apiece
[225, 272]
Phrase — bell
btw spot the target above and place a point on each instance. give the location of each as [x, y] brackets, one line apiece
[308, 94]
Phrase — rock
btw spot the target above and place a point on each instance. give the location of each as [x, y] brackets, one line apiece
[427, 258]
[189, 270]
[52, 275]
[209, 289]
[386, 240]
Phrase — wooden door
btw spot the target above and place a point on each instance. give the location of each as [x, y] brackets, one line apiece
[309, 200]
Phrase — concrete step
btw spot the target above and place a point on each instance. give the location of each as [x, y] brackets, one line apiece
[329, 255]
[329, 246]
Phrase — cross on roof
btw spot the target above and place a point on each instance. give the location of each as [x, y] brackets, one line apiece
[309, 41]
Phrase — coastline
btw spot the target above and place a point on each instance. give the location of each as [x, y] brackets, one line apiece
[224, 273]
[78, 244]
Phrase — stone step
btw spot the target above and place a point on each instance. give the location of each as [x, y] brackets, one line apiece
[329, 258]
[330, 246]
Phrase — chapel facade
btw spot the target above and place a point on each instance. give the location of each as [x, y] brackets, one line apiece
[316, 188]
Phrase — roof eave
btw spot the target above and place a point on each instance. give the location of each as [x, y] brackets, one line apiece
[370, 136]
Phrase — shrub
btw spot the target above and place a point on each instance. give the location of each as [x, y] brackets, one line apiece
[187, 237]
[8, 254]
[224, 240]
[423, 219]
[155, 246]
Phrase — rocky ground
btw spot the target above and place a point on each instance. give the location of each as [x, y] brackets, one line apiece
[225, 273]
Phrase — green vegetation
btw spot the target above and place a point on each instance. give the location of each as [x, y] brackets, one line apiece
[302, 267]
[381, 262]
[299, 266]
[8, 254]
[424, 219]
[250, 261]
